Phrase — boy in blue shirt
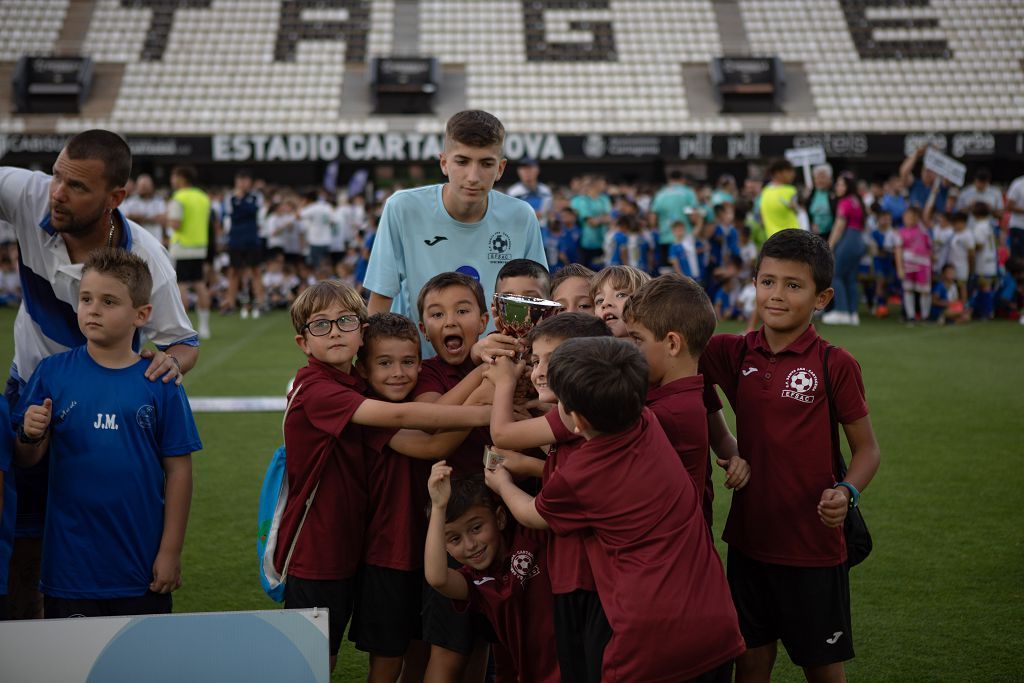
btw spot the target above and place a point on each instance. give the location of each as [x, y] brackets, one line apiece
[463, 225]
[120, 445]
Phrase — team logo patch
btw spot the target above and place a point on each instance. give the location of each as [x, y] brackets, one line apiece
[523, 565]
[499, 247]
[146, 416]
[801, 385]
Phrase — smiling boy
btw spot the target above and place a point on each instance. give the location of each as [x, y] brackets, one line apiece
[463, 225]
[325, 440]
[787, 553]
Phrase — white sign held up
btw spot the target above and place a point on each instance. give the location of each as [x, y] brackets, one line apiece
[806, 157]
[945, 166]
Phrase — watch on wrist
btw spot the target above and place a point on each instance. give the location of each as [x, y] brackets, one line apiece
[854, 493]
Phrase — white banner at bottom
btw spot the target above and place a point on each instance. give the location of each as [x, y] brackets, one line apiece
[270, 645]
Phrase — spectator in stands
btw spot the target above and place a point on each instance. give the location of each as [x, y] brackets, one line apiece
[593, 210]
[147, 208]
[672, 203]
[462, 225]
[243, 210]
[532, 191]
[918, 189]
[981, 190]
[1015, 207]
[188, 217]
[894, 199]
[821, 205]
[725, 191]
[778, 198]
[318, 227]
[847, 242]
[59, 221]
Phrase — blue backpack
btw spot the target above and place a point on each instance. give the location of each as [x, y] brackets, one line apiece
[271, 513]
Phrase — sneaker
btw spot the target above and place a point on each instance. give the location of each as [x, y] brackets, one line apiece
[1022, 319]
[255, 313]
[882, 311]
[836, 318]
[204, 332]
[245, 313]
[855, 319]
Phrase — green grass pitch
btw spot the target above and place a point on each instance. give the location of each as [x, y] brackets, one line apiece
[942, 596]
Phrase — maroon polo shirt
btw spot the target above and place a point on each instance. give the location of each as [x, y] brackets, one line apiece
[436, 376]
[397, 527]
[784, 432]
[681, 411]
[658, 576]
[567, 557]
[515, 596]
[330, 545]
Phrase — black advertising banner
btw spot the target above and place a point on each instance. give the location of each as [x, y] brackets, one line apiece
[365, 148]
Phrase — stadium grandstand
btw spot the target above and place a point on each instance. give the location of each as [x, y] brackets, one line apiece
[638, 83]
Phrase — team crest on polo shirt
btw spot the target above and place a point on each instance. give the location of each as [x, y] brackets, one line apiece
[524, 566]
[499, 248]
[801, 385]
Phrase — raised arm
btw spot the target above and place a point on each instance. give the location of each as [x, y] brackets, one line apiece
[427, 416]
[521, 504]
[439, 575]
[505, 431]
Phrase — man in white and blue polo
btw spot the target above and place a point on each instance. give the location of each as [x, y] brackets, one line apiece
[59, 220]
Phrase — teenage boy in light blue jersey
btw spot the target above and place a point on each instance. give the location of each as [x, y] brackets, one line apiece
[463, 225]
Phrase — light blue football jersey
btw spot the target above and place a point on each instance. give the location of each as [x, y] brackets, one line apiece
[417, 239]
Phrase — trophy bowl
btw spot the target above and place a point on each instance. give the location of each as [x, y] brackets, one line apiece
[516, 315]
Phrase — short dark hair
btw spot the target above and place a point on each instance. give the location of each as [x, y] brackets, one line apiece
[106, 147]
[569, 326]
[243, 173]
[676, 174]
[451, 279]
[125, 267]
[802, 247]
[571, 270]
[602, 378]
[474, 128]
[390, 326]
[778, 166]
[958, 217]
[186, 173]
[524, 267]
[469, 491]
[674, 303]
[983, 174]
[628, 222]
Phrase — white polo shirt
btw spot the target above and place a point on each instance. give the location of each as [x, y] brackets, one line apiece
[47, 321]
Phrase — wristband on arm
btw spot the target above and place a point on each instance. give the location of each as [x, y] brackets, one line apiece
[854, 493]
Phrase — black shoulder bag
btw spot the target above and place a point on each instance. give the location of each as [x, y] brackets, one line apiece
[858, 538]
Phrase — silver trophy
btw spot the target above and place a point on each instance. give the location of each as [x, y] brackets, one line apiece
[517, 315]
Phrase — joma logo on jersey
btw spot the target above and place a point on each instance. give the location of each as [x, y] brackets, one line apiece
[105, 421]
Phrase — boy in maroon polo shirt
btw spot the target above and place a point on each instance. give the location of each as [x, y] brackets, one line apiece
[453, 315]
[657, 573]
[386, 617]
[670, 319]
[581, 628]
[324, 437]
[787, 552]
[503, 573]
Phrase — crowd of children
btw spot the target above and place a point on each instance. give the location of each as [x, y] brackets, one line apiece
[568, 517]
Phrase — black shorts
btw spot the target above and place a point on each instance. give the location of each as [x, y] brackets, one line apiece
[446, 627]
[807, 608]
[250, 257]
[148, 603]
[335, 595]
[386, 616]
[189, 269]
[581, 634]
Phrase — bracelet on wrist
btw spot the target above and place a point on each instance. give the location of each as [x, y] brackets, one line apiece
[26, 439]
[177, 363]
[854, 493]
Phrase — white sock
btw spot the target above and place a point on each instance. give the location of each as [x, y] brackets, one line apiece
[908, 303]
[926, 305]
[204, 318]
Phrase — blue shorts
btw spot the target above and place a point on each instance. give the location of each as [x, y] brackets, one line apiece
[884, 267]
